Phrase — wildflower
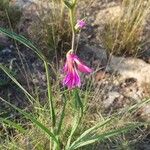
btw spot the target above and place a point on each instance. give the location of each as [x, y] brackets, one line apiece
[80, 24]
[72, 65]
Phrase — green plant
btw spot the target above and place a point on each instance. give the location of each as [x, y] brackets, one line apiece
[123, 34]
[48, 126]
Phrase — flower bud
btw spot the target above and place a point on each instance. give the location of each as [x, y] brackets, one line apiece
[80, 24]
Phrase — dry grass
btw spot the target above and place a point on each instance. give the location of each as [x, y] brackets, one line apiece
[33, 138]
[54, 31]
[53, 27]
[123, 35]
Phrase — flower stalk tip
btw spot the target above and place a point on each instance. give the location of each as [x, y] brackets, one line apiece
[80, 24]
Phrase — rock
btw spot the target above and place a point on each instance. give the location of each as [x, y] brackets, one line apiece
[130, 68]
[95, 54]
[105, 15]
[144, 113]
[127, 82]
[130, 89]
[100, 75]
[21, 3]
[110, 98]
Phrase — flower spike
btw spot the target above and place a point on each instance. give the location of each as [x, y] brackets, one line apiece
[72, 65]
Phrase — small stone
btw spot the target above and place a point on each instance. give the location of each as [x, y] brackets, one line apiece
[144, 113]
[100, 75]
[6, 50]
[110, 99]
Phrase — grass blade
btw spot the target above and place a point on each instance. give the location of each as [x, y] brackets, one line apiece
[6, 70]
[78, 115]
[34, 120]
[22, 40]
[62, 115]
[78, 102]
[49, 92]
[74, 127]
[92, 129]
[93, 139]
[12, 124]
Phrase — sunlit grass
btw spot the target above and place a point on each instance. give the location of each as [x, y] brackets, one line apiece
[123, 34]
[34, 138]
[38, 125]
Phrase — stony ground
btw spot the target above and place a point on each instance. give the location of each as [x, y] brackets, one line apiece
[119, 82]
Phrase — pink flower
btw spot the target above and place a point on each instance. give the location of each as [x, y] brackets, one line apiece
[80, 24]
[72, 65]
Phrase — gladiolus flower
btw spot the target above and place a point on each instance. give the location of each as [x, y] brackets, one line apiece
[72, 65]
[80, 24]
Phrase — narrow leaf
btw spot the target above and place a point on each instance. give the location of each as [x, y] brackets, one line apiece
[62, 115]
[93, 139]
[12, 124]
[34, 120]
[6, 70]
[50, 98]
[22, 40]
[92, 129]
[68, 4]
[78, 101]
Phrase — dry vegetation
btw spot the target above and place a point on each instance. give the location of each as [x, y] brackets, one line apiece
[123, 35]
[51, 31]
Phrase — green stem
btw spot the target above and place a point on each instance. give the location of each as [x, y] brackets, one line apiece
[76, 122]
[77, 118]
[62, 115]
[72, 27]
[52, 111]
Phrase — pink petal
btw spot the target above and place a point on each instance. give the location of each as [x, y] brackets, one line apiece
[66, 79]
[80, 24]
[77, 79]
[81, 66]
[72, 79]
